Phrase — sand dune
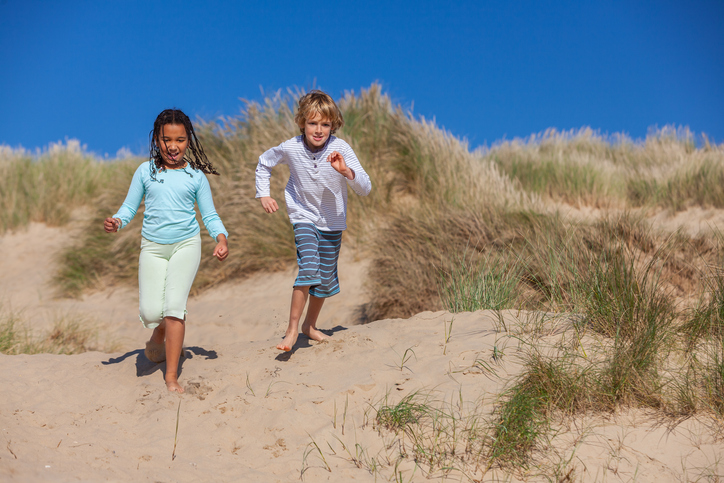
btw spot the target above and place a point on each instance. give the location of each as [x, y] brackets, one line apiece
[252, 414]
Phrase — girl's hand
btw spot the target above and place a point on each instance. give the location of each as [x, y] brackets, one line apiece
[268, 203]
[111, 225]
[337, 161]
[222, 250]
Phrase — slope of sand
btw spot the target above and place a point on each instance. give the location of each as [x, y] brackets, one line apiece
[253, 414]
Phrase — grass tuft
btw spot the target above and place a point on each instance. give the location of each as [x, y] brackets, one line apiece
[69, 335]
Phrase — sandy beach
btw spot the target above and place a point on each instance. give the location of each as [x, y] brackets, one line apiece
[251, 413]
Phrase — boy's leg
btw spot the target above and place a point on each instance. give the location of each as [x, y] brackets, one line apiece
[309, 327]
[299, 299]
[307, 243]
[175, 332]
[329, 246]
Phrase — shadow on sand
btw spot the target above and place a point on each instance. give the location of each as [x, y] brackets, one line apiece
[303, 342]
[144, 367]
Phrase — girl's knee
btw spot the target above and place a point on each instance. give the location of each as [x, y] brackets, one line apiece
[151, 317]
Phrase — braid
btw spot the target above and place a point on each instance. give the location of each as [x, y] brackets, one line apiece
[175, 116]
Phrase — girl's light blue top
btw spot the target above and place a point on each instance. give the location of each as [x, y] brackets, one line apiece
[169, 216]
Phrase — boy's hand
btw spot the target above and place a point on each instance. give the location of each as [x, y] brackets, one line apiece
[111, 225]
[268, 203]
[222, 249]
[337, 162]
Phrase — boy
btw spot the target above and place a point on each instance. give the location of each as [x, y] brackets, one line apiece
[321, 166]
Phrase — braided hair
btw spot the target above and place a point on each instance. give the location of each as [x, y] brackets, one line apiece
[176, 116]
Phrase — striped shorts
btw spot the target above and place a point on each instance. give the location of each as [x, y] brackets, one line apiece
[317, 255]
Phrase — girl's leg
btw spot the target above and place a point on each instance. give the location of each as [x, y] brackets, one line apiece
[299, 299]
[309, 327]
[182, 267]
[175, 332]
[152, 265]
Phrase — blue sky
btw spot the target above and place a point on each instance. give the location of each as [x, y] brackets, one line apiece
[100, 71]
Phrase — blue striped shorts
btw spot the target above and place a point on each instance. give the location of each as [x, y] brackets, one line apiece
[317, 255]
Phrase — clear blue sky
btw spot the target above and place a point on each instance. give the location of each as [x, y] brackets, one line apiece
[100, 71]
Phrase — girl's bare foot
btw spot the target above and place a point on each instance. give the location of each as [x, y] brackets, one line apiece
[155, 352]
[172, 384]
[314, 334]
[288, 342]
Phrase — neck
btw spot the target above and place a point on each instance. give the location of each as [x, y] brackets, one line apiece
[174, 166]
[312, 148]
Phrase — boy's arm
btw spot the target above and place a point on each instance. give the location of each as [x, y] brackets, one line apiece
[267, 161]
[348, 165]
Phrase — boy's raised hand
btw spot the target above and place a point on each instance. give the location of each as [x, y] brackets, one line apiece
[337, 161]
[269, 204]
[111, 224]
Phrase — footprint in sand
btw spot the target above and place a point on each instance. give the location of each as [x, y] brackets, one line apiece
[198, 389]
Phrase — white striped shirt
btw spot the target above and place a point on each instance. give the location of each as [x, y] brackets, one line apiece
[316, 193]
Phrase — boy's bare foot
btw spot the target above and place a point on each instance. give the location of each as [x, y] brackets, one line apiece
[288, 342]
[314, 334]
[173, 385]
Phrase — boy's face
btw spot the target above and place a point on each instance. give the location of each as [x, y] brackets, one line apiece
[316, 131]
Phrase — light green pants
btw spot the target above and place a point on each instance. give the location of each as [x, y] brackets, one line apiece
[165, 275]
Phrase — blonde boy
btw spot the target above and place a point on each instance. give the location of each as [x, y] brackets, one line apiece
[321, 166]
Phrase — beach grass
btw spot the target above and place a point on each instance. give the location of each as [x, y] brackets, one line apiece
[70, 334]
[49, 186]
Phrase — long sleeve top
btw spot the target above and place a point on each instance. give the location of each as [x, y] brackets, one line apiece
[169, 216]
[315, 193]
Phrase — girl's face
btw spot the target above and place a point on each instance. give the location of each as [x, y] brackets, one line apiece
[317, 131]
[172, 142]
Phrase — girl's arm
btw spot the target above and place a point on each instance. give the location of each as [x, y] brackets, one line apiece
[130, 205]
[210, 218]
[111, 224]
[222, 249]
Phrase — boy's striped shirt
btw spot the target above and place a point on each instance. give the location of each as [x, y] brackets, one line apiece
[316, 193]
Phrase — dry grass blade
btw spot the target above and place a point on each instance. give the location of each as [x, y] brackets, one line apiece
[175, 436]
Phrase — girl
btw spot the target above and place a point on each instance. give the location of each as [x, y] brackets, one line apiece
[171, 242]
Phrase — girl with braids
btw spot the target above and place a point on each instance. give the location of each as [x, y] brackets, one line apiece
[171, 183]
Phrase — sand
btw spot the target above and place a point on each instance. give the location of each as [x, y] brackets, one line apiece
[251, 413]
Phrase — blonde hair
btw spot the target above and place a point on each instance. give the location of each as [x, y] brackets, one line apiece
[318, 102]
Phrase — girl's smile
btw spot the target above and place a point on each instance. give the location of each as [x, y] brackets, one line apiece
[316, 132]
[172, 142]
